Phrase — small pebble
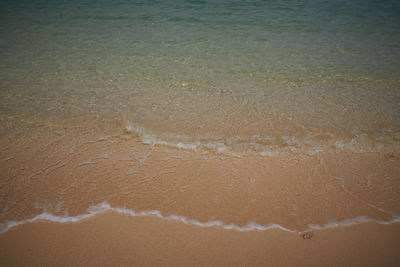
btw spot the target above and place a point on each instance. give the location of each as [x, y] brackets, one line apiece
[307, 235]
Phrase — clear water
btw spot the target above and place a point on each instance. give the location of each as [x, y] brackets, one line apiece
[317, 71]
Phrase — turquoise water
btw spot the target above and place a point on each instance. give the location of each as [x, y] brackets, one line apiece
[324, 71]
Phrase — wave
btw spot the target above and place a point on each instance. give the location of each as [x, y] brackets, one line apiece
[270, 146]
[251, 226]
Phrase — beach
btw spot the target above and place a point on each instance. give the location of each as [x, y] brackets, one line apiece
[113, 239]
[69, 172]
[168, 206]
[244, 133]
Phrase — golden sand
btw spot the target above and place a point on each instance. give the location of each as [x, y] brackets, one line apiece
[113, 239]
[66, 170]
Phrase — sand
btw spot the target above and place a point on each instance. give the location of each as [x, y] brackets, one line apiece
[67, 172]
[113, 239]
[64, 171]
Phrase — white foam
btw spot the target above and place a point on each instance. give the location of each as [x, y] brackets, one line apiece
[251, 226]
[352, 221]
[105, 156]
[259, 145]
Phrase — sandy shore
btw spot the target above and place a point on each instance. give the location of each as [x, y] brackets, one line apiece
[115, 239]
[67, 171]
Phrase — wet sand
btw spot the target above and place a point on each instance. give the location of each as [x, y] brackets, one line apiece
[63, 171]
[113, 239]
[67, 171]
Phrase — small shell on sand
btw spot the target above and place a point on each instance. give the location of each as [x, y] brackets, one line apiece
[307, 235]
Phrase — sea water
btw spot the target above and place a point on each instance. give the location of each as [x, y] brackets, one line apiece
[235, 78]
[219, 68]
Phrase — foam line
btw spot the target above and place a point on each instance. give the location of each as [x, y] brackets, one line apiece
[260, 145]
[251, 226]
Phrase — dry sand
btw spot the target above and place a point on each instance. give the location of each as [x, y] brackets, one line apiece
[113, 239]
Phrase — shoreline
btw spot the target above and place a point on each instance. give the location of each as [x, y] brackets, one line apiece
[104, 208]
[68, 173]
[111, 238]
[202, 208]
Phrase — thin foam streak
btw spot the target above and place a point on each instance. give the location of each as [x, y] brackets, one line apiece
[251, 226]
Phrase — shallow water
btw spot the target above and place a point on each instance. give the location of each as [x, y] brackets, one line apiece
[257, 82]
[206, 67]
